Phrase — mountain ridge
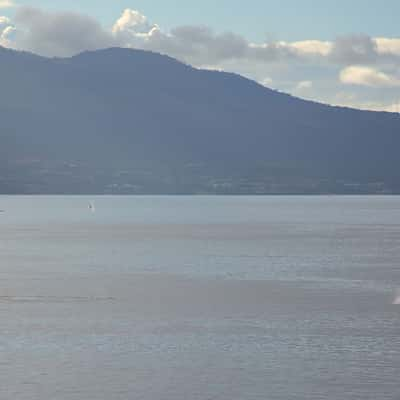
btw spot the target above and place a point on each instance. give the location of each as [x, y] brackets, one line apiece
[133, 121]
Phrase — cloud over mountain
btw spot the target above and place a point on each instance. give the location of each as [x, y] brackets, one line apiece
[367, 76]
[58, 34]
[66, 33]
[285, 64]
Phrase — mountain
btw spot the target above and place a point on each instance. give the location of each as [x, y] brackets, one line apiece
[130, 121]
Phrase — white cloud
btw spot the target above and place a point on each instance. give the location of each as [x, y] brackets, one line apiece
[304, 85]
[372, 106]
[367, 76]
[6, 30]
[6, 4]
[133, 23]
[58, 34]
[311, 47]
[360, 58]
[4, 21]
[394, 107]
[267, 81]
[388, 46]
[353, 99]
[6, 34]
[63, 34]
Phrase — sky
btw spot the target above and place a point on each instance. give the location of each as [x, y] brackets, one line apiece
[337, 52]
[283, 19]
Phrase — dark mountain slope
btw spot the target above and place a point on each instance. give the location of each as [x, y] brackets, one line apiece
[133, 121]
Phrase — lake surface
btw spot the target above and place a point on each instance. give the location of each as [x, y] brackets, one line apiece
[181, 298]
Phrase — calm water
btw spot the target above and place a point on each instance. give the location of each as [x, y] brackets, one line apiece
[199, 298]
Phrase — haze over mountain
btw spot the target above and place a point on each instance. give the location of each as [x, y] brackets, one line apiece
[130, 121]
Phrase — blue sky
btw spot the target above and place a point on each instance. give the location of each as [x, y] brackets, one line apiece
[256, 19]
[342, 52]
